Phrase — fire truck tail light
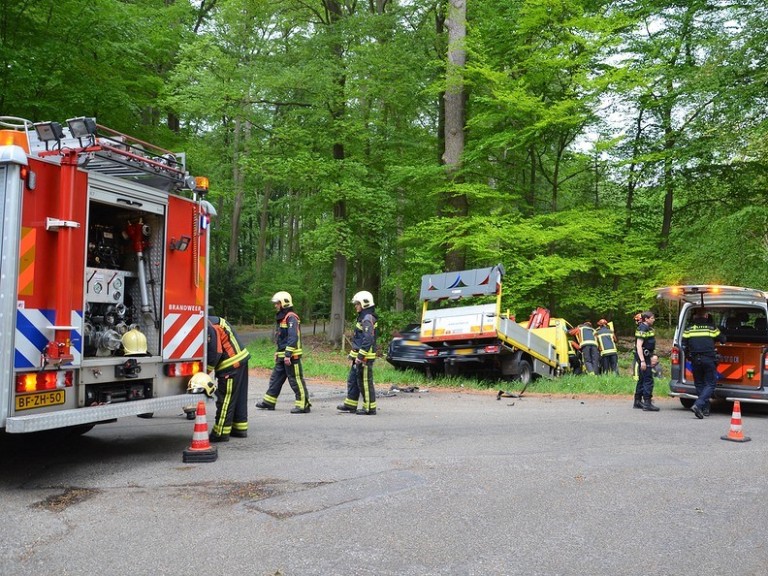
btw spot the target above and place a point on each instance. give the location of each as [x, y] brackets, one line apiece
[183, 368]
[675, 356]
[41, 381]
[492, 349]
[432, 353]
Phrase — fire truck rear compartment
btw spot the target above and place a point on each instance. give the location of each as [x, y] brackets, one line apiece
[115, 299]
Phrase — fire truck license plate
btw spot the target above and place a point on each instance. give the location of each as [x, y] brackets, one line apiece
[40, 400]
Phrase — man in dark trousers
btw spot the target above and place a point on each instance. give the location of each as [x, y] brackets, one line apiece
[609, 353]
[363, 353]
[645, 345]
[228, 359]
[287, 358]
[585, 336]
[699, 339]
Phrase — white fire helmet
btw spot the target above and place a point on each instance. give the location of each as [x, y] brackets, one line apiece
[201, 383]
[284, 298]
[364, 298]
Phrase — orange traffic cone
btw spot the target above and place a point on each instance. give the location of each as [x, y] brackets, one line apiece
[201, 449]
[735, 434]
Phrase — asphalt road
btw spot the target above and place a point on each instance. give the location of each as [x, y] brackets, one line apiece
[436, 483]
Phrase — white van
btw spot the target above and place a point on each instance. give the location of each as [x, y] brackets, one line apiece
[741, 315]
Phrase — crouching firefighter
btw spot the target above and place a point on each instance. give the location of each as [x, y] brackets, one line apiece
[362, 355]
[228, 359]
[287, 358]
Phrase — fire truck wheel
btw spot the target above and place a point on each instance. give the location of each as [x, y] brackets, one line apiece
[687, 402]
[146, 415]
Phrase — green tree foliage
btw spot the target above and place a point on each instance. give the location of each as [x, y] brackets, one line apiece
[610, 147]
[103, 58]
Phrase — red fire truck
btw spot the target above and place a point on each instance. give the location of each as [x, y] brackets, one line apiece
[103, 276]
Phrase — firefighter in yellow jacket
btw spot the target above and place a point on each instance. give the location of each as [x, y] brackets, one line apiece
[585, 336]
[609, 352]
[228, 359]
[287, 358]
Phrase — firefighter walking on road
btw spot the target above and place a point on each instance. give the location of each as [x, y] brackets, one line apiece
[362, 355]
[609, 352]
[699, 344]
[287, 358]
[228, 359]
[585, 336]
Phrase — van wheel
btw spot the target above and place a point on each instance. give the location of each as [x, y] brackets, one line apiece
[687, 403]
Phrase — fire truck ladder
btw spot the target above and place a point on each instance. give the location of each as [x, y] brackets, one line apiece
[110, 152]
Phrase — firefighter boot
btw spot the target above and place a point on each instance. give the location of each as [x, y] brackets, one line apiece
[648, 406]
[261, 405]
[638, 401]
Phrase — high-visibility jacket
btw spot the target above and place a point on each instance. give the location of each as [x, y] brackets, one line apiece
[226, 352]
[699, 338]
[606, 341]
[647, 336]
[585, 335]
[288, 333]
[364, 336]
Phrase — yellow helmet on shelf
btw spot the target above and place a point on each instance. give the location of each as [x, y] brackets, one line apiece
[134, 343]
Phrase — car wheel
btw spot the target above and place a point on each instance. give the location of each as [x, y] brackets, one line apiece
[687, 402]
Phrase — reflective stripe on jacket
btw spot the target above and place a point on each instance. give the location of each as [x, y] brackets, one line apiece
[364, 336]
[288, 334]
[699, 338]
[586, 335]
[606, 341]
[226, 353]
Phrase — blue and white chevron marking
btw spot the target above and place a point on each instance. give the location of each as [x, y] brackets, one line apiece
[33, 334]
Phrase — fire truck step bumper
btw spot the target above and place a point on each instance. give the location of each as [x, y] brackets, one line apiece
[93, 414]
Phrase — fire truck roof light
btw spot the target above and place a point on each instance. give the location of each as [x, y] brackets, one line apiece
[201, 184]
[82, 127]
[49, 131]
[14, 138]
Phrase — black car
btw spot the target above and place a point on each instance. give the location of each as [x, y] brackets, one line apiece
[406, 351]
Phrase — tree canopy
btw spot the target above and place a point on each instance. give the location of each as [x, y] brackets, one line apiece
[605, 147]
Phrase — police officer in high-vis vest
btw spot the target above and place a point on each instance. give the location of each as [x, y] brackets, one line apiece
[699, 339]
[363, 354]
[645, 345]
[287, 357]
[228, 359]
